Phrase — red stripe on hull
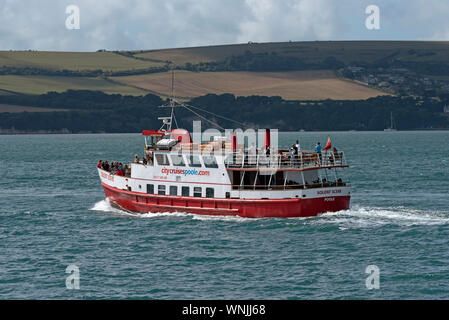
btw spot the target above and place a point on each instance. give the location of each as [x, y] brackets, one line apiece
[250, 208]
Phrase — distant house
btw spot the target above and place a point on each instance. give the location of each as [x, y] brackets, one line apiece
[400, 69]
[355, 69]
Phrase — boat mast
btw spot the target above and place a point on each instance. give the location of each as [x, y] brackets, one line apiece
[172, 99]
[391, 119]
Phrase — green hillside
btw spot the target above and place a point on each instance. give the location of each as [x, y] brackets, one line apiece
[74, 61]
[346, 51]
[411, 68]
[43, 84]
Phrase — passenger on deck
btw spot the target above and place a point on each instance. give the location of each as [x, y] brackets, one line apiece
[136, 159]
[106, 165]
[113, 168]
[252, 153]
[330, 158]
[293, 153]
[120, 168]
[100, 164]
[267, 155]
[144, 160]
[318, 151]
[149, 159]
[119, 173]
[298, 150]
[337, 155]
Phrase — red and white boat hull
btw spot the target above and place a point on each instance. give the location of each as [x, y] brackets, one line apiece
[311, 203]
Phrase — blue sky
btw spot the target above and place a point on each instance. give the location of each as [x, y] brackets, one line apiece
[155, 24]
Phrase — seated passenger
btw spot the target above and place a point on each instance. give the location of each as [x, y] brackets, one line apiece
[148, 159]
[100, 164]
[337, 155]
[136, 159]
[331, 159]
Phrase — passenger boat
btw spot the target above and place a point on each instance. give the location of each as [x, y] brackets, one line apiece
[224, 178]
[182, 176]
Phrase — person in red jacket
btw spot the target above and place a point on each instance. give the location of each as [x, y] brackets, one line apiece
[100, 164]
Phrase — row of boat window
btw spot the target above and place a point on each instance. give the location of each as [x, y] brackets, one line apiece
[192, 160]
[185, 191]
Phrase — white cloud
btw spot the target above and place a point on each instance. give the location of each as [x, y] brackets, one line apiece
[152, 24]
[272, 20]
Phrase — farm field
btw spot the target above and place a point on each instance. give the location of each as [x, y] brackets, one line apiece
[311, 51]
[44, 84]
[75, 61]
[295, 85]
[308, 51]
[16, 109]
[291, 85]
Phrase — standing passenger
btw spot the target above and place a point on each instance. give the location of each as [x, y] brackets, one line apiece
[298, 150]
[298, 146]
[293, 155]
[252, 153]
[267, 155]
[318, 151]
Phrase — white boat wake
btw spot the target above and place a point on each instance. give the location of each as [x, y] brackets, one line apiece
[105, 206]
[356, 216]
[360, 216]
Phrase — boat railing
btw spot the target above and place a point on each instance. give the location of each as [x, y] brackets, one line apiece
[322, 184]
[284, 160]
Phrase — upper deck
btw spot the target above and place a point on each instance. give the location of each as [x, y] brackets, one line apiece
[244, 159]
[283, 160]
[236, 157]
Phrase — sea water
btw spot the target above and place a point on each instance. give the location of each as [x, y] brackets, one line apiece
[53, 214]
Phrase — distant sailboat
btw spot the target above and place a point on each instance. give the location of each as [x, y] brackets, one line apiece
[391, 128]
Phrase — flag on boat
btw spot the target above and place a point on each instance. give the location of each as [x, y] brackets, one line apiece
[328, 144]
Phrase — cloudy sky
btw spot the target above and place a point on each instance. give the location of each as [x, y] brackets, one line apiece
[154, 24]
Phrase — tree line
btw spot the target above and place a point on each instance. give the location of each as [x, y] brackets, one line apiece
[94, 111]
